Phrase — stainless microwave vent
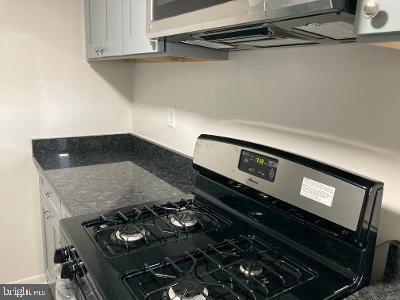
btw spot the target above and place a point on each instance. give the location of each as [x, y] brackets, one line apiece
[338, 30]
[276, 42]
[246, 39]
[207, 44]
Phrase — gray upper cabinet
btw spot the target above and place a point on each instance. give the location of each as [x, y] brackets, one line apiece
[378, 20]
[103, 20]
[135, 40]
[116, 29]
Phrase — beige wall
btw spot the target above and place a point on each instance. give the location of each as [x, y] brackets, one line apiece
[46, 89]
[338, 104]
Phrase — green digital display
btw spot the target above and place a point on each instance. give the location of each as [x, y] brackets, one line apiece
[260, 160]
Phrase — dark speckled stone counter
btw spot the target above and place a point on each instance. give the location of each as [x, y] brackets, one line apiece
[106, 186]
[389, 287]
[90, 174]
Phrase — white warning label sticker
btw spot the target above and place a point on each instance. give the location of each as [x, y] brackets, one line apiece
[317, 191]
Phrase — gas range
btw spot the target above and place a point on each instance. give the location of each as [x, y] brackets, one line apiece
[261, 224]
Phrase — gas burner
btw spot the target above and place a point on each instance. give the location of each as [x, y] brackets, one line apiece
[131, 230]
[185, 218]
[251, 265]
[130, 234]
[187, 289]
[250, 268]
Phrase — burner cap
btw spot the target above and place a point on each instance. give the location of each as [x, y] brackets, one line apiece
[130, 234]
[183, 219]
[187, 289]
[249, 268]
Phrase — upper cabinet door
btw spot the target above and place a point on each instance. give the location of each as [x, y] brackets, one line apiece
[103, 28]
[378, 17]
[134, 29]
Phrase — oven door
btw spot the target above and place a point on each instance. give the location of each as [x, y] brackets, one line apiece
[171, 17]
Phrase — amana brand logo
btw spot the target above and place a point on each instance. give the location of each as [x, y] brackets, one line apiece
[253, 180]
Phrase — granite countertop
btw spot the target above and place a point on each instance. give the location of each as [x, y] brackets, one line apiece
[105, 186]
[106, 172]
[105, 179]
[389, 287]
[382, 291]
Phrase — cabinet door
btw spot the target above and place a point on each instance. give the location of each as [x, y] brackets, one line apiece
[44, 239]
[103, 20]
[50, 224]
[386, 19]
[134, 29]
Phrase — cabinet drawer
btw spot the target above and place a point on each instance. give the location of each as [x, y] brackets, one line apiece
[49, 195]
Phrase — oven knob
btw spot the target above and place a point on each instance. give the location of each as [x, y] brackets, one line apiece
[62, 255]
[69, 270]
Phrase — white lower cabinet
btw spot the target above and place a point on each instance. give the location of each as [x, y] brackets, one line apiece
[52, 211]
[50, 242]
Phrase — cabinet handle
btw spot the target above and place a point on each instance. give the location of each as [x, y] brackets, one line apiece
[47, 194]
[370, 8]
[101, 50]
[97, 51]
[153, 44]
[47, 214]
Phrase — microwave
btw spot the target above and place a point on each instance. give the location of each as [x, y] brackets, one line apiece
[172, 17]
[249, 24]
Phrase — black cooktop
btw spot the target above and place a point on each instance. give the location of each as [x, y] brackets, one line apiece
[234, 261]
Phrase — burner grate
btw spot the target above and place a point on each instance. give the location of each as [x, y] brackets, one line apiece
[245, 268]
[123, 233]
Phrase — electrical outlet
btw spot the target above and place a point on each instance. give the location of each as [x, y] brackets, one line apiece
[171, 117]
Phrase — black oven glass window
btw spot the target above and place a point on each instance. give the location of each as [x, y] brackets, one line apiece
[163, 9]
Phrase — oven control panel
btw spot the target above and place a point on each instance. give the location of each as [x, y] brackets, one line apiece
[320, 189]
[258, 165]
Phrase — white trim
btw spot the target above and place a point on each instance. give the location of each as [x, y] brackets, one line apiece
[37, 279]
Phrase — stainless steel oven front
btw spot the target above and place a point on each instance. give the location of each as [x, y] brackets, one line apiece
[171, 17]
